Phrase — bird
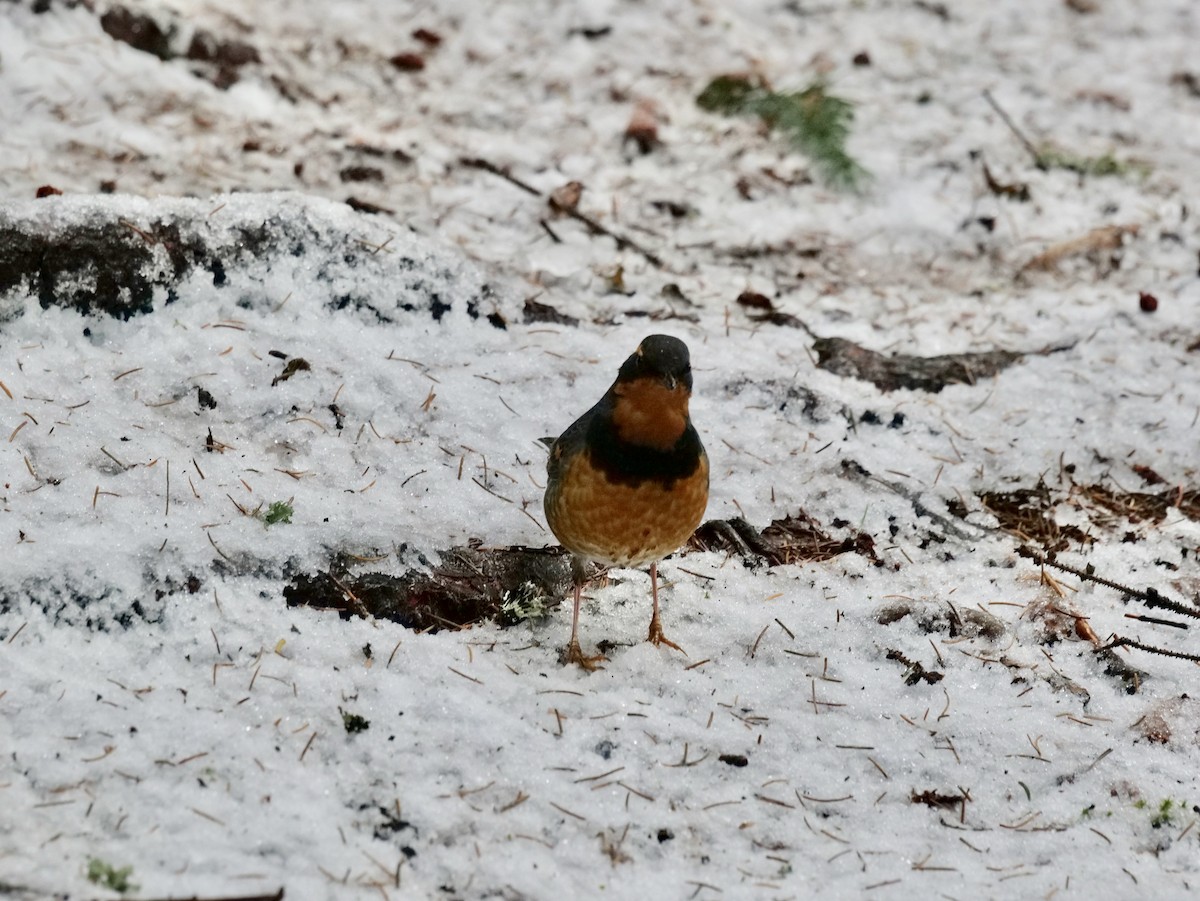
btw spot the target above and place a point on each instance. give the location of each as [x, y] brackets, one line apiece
[627, 482]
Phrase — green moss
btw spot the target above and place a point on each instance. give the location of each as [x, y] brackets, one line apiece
[1050, 157]
[110, 877]
[353, 722]
[728, 94]
[277, 512]
[1164, 814]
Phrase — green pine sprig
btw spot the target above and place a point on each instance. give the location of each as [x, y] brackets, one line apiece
[813, 120]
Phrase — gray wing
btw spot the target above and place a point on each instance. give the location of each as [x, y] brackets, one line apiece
[573, 440]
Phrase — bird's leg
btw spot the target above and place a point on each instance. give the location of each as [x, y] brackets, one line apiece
[572, 653]
[656, 633]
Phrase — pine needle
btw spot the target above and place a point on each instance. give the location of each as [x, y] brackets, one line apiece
[813, 120]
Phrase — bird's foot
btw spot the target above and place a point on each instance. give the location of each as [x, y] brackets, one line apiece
[572, 653]
[657, 638]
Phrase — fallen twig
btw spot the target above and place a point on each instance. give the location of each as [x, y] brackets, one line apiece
[595, 227]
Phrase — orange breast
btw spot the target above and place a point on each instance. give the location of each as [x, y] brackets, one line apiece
[623, 524]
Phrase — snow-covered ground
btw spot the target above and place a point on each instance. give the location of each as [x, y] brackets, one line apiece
[163, 709]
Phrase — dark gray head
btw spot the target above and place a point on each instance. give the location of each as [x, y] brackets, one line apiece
[659, 357]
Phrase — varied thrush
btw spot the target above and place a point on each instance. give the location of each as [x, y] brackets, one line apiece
[628, 481]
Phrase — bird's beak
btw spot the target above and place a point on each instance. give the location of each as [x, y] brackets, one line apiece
[670, 381]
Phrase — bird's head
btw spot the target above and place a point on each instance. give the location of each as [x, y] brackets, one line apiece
[661, 358]
[651, 393]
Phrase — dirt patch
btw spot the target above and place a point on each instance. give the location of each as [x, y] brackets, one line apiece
[1032, 514]
[468, 585]
[793, 539]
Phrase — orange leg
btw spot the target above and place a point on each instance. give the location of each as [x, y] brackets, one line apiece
[572, 653]
[656, 633]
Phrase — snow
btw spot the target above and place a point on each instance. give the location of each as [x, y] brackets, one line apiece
[161, 707]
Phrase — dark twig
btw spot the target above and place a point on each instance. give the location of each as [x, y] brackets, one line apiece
[1119, 642]
[477, 163]
[1156, 620]
[593, 226]
[1149, 596]
[596, 228]
[1033, 151]
[914, 671]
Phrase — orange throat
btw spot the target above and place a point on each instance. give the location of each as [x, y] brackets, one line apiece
[649, 414]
